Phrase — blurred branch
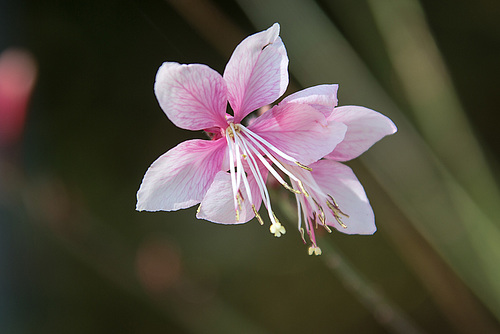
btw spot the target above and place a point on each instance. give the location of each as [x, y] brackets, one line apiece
[464, 311]
[434, 102]
[386, 313]
[442, 120]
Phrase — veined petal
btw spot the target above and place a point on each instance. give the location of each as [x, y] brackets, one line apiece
[339, 181]
[299, 130]
[180, 178]
[257, 73]
[218, 204]
[364, 128]
[321, 97]
[194, 97]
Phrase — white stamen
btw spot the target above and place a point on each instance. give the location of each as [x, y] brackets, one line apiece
[262, 140]
[268, 166]
[271, 157]
[231, 169]
[237, 156]
[258, 177]
[298, 210]
[241, 172]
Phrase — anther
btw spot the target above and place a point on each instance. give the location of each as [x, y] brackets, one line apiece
[277, 229]
[239, 199]
[336, 211]
[314, 250]
[301, 186]
[340, 221]
[303, 166]
[321, 216]
[293, 190]
[336, 206]
[259, 218]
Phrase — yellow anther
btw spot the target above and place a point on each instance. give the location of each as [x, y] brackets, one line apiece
[259, 218]
[314, 250]
[237, 215]
[239, 199]
[303, 166]
[301, 186]
[198, 210]
[321, 216]
[230, 132]
[327, 228]
[293, 190]
[336, 206]
[340, 221]
[336, 211]
[322, 219]
[332, 207]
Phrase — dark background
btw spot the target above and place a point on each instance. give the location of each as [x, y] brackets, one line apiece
[75, 257]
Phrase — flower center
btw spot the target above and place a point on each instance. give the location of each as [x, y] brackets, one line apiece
[250, 152]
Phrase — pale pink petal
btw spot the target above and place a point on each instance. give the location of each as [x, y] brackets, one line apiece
[180, 178]
[364, 128]
[339, 181]
[257, 73]
[218, 204]
[321, 97]
[193, 97]
[299, 130]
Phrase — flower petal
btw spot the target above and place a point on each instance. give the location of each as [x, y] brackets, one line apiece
[339, 181]
[194, 97]
[180, 178]
[257, 73]
[321, 97]
[299, 130]
[218, 204]
[364, 128]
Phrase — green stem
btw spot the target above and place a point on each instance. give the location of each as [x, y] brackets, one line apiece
[385, 312]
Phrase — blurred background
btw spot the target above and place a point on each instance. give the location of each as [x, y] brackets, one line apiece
[79, 126]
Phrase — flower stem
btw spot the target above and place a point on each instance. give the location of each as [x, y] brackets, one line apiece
[385, 312]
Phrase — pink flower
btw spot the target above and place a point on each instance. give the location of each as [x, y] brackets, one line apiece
[227, 174]
[301, 138]
[331, 195]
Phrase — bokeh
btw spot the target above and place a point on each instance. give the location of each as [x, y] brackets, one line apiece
[79, 126]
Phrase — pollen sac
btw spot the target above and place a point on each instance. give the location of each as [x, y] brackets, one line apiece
[314, 250]
[277, 229]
